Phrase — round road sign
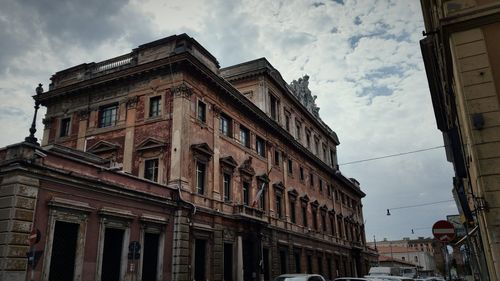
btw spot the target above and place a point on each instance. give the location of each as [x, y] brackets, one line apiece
[443, 231]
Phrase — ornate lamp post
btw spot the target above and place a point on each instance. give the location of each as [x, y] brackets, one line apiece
[31, 138]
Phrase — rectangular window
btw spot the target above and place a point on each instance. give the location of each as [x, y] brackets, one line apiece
[333, 157]
[287, 122]
[260, 146]
[279, 202]
[296, 257]
[332, 225]
[304, 216]
[298, 127]
[151, 169]
[309, 264]
[316, 146]
[324, 154]
[62, 261]
[107, 115]
[320, 266]
[228, 262]
[112, 252]
[154, 106]
[290, 167]
[283, 262]
[202, 111]
[323, 222]
[200, 177]
[311, 179]
[308, 139]
[274, 104]
[320, 185]
[200, 259]
[292, 211]
[244, 136]
[277, 157]
[315, 220]
[226, 182]
[150, 256]
[64, 128]
[246, 193]
[329, 190]
[225, 125]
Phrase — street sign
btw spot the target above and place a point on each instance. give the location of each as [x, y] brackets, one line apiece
[443, 231]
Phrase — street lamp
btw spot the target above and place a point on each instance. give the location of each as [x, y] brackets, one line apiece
[31, 138]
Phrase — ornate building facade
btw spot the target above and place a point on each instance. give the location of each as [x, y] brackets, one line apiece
[462, 62]
[188, 171]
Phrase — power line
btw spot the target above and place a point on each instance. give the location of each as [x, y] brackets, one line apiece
[393, 155]
[420, 205]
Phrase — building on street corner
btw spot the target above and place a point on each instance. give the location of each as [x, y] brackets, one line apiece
[160, 165]
[460, 52]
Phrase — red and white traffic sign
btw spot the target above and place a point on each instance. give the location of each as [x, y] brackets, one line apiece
[443, 231]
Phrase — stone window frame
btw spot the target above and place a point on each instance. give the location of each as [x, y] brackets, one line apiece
[245, 136]
[202, 232]
[201, 111]
[156, 170]
[70, 211]
[147, 105]
[227, 166]
[333, 223]
[288, 119]
[110, 217]
[68, 127]
[277, 157]
[298, 129]
[292, 201]
[202, 154]
[150, 149]
[275, 105]
[304, 200]
[153, 224]
[104, 108]
[260, 142]
[314, 212]
[224, 116]
[323, 210]
[279, 189]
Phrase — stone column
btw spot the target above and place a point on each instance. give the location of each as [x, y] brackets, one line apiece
[239, 258]
[128, 147]
[180, 133]
[18, 195]
[180, 247]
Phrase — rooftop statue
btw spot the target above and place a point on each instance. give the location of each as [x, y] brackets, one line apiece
[300, 88]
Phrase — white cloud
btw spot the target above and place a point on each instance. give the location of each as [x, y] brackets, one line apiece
[363, 59]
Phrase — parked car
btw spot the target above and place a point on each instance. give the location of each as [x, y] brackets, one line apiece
[352, 279]
[299, 277]
[388, 278]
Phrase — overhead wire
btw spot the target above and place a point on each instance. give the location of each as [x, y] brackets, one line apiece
[392, 155]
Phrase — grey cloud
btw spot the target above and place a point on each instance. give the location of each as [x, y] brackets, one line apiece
[11, 112]
[318, 4]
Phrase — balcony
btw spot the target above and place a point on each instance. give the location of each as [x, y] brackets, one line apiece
[249, 212]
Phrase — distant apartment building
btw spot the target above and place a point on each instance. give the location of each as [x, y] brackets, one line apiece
[462, 61]
[160, 165]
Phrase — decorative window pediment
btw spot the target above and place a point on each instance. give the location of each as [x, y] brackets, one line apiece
[246, 168]
[315, 204]
[103, 146]
[324, 209]
[202, 150]
[263, 178]
[293, 193]
[150, 143]
[228, 163]
[279, 186]
[305, 198]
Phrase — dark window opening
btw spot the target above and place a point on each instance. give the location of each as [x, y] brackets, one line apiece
[304, 216]
[276, 157]
[292, 211]
[290, 167]
[62, 259]
[244, 136]
[112, 253]
[228, 262]
[274, 107]
[107, 115]
[309, 264]
[287, 123]
[200, 260]
[225, 125]
[320, 185]
[278, 206]
[202, 111]
[260, 146]
[296, 256]
[329, 268]
[301, 173]
[226, 182]
[154, 106]
[311, 180]
[246, 193]
[151, 169]
[267, 271]
[315, 220]
[283, 262]
[323, 222]
[200, 177]
[64, 128]
[320, 266]
[150, 256]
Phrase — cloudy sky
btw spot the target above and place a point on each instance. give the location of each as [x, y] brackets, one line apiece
[362, 57]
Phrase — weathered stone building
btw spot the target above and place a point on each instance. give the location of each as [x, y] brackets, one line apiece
[220, 174]
[462, 62]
